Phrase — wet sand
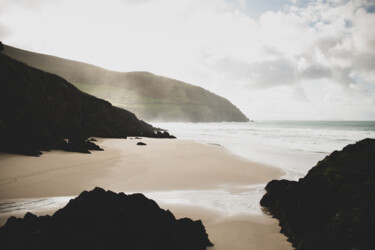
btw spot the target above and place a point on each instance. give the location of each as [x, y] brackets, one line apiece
[161, 166]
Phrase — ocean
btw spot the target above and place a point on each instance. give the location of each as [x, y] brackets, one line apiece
[293, 146]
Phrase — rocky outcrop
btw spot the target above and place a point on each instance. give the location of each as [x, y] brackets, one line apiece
[81, 145]
[150, 97]
[40, 111]
[333, 206]
[102, 219]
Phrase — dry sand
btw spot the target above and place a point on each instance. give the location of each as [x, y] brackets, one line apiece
[162, 165]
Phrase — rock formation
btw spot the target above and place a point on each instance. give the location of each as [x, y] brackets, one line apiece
[150, 97]
[333, 206]
[102, 219]
[41, 111]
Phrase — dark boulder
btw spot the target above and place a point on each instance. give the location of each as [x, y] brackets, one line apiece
[141, 144]
[163, 134]
[81, 145]
[102, 219]
[333, 206]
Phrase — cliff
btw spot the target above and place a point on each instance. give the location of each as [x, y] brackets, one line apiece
[150, 97]
[42, 111]
[333, 206]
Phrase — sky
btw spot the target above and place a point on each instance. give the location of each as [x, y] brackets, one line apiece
[273, 59]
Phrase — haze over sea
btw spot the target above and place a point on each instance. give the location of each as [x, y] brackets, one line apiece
[294, 146]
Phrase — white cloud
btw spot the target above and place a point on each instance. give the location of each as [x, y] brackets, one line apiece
[312, 61]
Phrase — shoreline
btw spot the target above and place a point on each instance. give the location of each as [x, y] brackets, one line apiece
[163, 167]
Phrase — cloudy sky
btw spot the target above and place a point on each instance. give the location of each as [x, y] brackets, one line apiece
[274, 59]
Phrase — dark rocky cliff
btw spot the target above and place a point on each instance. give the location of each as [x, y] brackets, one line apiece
[39, 110]
[150, 97]
[102, 219]
[333, 206]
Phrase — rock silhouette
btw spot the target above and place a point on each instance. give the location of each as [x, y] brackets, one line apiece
[41, 111]
[150, 97]
[102, 219]
[333, 206]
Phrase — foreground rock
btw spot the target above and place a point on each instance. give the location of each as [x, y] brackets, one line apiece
[41, 111]
[102, 219]
[333, 206]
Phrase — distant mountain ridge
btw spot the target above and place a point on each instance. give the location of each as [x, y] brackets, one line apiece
[150, 97]
[41, 111]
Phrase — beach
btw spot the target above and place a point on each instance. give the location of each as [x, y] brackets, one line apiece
[163, 170]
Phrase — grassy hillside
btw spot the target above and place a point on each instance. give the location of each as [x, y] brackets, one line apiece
[149, 96]
[39, 111]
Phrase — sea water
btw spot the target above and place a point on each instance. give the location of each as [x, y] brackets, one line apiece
[293, 146]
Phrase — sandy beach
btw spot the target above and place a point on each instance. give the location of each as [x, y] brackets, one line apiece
[161, 166]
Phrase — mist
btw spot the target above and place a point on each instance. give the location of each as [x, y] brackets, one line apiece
[292, 60]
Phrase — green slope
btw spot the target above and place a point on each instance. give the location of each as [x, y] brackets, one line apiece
[39, 111]
[150, 97]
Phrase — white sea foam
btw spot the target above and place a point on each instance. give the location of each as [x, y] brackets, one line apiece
[19, 207]
[243, 201]
[226, 202]
[294, 147]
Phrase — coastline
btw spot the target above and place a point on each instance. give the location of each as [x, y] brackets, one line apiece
[160, 167]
